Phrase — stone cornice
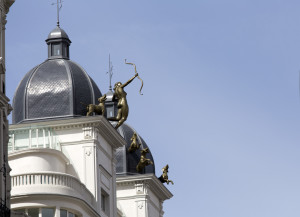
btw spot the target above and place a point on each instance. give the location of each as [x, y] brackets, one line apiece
[105, 128]
[151, 180]
[7, 4]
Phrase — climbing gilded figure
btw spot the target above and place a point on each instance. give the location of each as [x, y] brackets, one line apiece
[120, 96]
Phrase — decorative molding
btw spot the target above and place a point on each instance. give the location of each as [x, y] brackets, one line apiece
[87, 132]
[88, 151]
[139, 188]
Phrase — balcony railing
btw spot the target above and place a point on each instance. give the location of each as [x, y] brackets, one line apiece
[54, 182]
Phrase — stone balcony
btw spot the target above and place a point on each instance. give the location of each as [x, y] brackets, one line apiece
[45, 183]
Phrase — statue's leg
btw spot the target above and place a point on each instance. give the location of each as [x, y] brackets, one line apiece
[120, 122]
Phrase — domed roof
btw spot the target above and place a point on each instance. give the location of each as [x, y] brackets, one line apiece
[57, 88]
[57, 33]
[127, 162]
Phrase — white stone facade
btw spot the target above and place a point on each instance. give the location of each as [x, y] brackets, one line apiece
[141, 196]
[5, 109]
[68, 166]
[64, 165]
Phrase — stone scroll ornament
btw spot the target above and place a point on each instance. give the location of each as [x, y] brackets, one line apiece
[120, 95]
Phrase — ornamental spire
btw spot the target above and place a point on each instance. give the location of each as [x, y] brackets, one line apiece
[59, 6]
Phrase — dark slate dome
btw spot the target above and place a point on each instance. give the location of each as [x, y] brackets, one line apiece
[57, 88]
[127, 162]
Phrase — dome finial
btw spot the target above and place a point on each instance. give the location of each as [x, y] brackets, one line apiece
[59, 6]
[110, 72]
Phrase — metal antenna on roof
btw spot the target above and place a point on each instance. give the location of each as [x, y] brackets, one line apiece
[59, 6]
[110, 71]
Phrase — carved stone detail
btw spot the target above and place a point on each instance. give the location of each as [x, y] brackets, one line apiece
[88, 132]
[139, 188]
[140, 204]
[88, 151]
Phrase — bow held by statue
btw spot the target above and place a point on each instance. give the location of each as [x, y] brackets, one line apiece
[137, 75]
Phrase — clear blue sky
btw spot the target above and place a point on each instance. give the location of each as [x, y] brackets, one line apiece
[221, 90]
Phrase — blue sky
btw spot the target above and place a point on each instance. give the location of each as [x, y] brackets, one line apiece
[221, 90]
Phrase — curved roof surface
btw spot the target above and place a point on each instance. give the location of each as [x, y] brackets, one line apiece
[57, 88]
[57, 33]
[127, 162]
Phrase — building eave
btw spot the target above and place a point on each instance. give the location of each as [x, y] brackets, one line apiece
[155, 185]
[105, 128]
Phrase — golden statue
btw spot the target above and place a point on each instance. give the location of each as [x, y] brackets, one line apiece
[143, 161]
[98, 109]
[135, 145]
[120, 95]
[164, 177]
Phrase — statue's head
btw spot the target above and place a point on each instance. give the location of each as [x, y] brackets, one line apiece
[118, 84]
[102, 98]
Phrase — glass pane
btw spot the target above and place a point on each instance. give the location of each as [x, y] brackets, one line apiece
[22, 140]
[71, 214]
[47, 212]
[19, 210]
[40, 138]
[34, 141]
[63, 213]
[103, 202]
[33, 212]
[65, 52]
[56, 50]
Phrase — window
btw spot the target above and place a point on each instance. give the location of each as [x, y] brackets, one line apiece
[65, 213]
[110, 111]
[37, 212]
[33, 212]
[48, 212]
[56, 49]
[104, 202]
[65, 50]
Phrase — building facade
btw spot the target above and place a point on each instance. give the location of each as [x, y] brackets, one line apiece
[5, 110]
[65, 164]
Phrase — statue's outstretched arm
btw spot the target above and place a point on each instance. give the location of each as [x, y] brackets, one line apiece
[129, 81]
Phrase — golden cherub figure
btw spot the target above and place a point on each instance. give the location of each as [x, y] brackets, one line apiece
[135, 145]
[164, 177]
[143, 161]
